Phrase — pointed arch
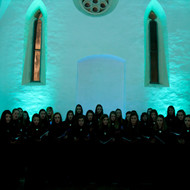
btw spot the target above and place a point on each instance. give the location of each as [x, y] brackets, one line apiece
[153, 50]
[156, 51]
[4, 4]
[37, 42]
[35, 48]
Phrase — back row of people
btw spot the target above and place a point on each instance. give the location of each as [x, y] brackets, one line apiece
[95, 127]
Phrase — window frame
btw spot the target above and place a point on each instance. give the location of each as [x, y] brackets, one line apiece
[162, 35]
[153, 50]
[38, 17]
[34, 8]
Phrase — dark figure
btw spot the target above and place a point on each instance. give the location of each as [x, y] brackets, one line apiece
[120, 118]
[115, 127]
[49, 111]
[78, 110]
[98, 112]
[17, 125]
[25, 125]
[35, 130]
[132, 132]
[68, 126]
[171, 118]
[104, 130]
[160, 131]
[153, 118]
[56, 129]
[44, 121]
[80, 133]
[127, 118]
[5, 128]
[180, 124]
[92, 127]
[184, 137]
[145, 129]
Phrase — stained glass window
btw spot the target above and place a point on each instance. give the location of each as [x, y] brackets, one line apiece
[37, 47]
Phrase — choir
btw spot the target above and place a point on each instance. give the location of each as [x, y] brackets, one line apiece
[95, 127]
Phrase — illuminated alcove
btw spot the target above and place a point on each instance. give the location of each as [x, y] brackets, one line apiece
[101, 80]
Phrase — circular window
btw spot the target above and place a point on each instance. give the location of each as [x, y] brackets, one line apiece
[96, 7]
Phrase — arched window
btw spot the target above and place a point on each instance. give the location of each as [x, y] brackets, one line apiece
[153, 35]
[37, 39]
[156, 48]
[35, 44]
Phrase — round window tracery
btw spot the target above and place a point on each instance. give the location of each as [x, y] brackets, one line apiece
[96, 7]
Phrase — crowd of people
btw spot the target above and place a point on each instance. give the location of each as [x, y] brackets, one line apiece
[95, 127]
[73, 165]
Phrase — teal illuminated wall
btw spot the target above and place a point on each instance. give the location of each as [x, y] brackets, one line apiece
[71, 36]
[178, 60]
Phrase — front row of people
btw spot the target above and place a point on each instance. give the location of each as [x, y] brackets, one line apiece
[89, 129]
